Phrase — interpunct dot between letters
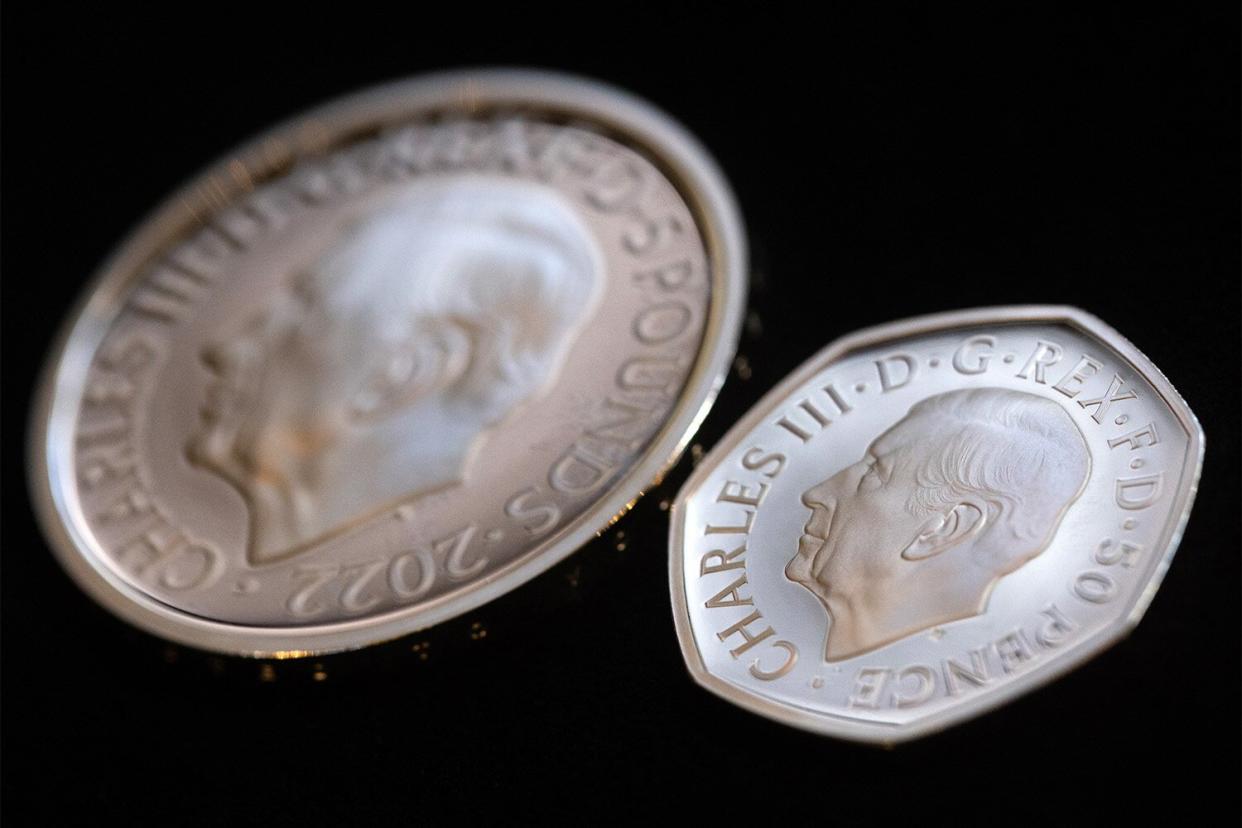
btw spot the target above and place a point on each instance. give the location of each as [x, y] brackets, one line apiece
[880, 576]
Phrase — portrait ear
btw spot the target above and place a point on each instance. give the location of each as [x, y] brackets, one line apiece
[944, 531]
[434, 358]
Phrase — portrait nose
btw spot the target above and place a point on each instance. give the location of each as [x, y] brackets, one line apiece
[227, 355]
[820, 495]
[216, 357]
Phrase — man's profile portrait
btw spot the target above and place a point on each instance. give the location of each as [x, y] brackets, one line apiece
[365, 382]
[965, 489]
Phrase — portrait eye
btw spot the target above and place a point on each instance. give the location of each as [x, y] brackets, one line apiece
[871, 477]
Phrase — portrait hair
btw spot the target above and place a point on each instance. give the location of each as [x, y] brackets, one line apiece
[368, 378]
[1017, 451]
[468, 286]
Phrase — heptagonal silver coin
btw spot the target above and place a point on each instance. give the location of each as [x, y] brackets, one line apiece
[930, 518]
[388, 361]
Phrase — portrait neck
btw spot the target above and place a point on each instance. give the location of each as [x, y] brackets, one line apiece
[371, 468]
[935, 592]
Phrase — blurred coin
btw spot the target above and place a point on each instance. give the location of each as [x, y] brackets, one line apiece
[930, 518]
[388, 361]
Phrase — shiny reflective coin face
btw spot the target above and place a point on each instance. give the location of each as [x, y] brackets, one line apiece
[931, 518]
[387, 362]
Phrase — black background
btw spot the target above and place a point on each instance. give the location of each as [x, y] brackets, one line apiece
[887, 167]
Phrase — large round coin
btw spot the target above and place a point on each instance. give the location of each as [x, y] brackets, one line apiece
[388, 361]
[930, 518]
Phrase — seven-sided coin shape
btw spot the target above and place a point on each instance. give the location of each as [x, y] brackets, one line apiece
[929, 518]
[388, 361]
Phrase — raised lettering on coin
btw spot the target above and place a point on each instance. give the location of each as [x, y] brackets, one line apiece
[433, 339]
[916, 527]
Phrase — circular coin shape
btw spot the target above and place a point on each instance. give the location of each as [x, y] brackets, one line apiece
[931, 517]
[388, 361]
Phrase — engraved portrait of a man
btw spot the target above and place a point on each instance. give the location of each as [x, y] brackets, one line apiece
[969, 486]
[367, 380]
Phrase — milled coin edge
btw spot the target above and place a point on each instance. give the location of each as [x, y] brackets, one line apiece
[1062, 663]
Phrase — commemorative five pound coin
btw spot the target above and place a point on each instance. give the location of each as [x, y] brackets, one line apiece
[930, 518]
[388, 361]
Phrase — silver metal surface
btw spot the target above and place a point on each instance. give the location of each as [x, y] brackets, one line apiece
[929, 518]
[388, 361]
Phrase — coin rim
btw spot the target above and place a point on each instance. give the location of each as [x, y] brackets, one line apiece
[649, 131]
[1081, 651]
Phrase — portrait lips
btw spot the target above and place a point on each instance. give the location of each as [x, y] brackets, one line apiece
[221, 401]
[230, 385]
[806, 564]
[230, 392]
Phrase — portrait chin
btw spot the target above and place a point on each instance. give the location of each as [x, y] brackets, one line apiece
[369, 376]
